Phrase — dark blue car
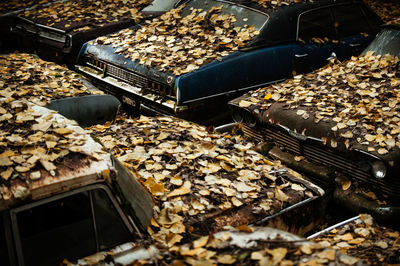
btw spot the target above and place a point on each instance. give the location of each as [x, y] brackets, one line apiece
[291, 39]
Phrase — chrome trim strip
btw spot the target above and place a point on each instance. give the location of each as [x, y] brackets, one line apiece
[332, 227]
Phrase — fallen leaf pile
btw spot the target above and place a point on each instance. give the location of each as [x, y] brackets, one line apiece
[366, 240]
[33, 143]
[86, 14]
[172, 43]
[388, 10]
[253, 246]
[7, 6]
[200, 181]
[361, 96]
[277, 3]
[25, 76]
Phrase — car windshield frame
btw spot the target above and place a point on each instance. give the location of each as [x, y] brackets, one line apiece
[239, 11]
[387, 41]
[130, 226]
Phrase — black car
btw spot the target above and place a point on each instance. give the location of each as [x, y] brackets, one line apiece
[217, 50]
[339, 124]
[57, 31]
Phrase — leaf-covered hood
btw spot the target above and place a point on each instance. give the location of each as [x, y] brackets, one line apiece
[350, 105]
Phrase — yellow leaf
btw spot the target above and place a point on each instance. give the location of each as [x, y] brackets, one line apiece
[268, 96]
[7, 173]
[62, 131]
[346, 185]
[245, 104]
[280, 195]
[201, 242]
[226, 259]
[183, 190]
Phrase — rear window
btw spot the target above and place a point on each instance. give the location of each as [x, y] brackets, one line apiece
[350, 20]
[316, 24]
[386, 42]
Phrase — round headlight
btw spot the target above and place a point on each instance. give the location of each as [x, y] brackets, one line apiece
[379, 169]
[250, 120]
[238, 115]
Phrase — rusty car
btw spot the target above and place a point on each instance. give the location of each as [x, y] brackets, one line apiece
[349, 142]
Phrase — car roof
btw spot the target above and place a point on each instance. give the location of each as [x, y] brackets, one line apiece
[282, 24]
[89, 165]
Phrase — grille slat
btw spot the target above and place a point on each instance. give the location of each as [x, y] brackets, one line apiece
[132, 78]
[316, 154]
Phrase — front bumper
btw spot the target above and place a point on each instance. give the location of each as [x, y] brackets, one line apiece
[350, 198]
[132, 95]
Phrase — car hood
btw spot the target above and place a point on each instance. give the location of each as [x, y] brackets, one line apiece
[107, 54]
[305, 128]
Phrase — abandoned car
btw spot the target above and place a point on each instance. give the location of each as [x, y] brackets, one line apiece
[192, 60]
[57, 31]
[339, 124]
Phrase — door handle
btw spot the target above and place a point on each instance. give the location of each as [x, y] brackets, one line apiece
[300, 55]
[354, 44]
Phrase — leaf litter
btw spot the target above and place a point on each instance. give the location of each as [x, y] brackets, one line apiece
[181, 44]
[360, 96]
[200, 181]
[366, 240]
[7, 6]
[33, 144]
[82, 15]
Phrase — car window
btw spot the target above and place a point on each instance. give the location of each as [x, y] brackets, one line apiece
[349, 20]
[316, 24]
[386, 42]
[4, 259]
[68, 228]
[244, 16]
[110, 228]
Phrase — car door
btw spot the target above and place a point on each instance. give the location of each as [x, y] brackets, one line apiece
[316, 40]
[355, 28]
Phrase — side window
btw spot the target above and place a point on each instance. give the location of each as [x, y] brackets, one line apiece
[316, 24]
[350, 20]
[111, 231]
[4, 259]
[68, 228]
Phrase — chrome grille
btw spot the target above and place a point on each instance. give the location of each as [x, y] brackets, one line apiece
[261, 134]
[319, 155]
[132, 78]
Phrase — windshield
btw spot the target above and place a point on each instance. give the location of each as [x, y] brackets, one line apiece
[386, 42]
[244, 16]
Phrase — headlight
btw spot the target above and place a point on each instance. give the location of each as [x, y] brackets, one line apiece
[238, 115]
[379, 169]
[250, 120]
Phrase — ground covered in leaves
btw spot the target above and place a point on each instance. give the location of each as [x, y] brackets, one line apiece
[180, 44]
[86, 14]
